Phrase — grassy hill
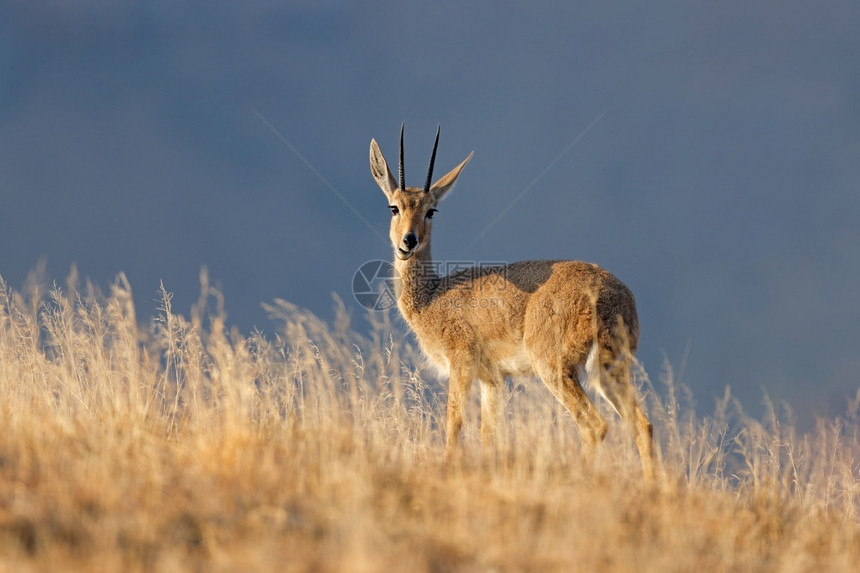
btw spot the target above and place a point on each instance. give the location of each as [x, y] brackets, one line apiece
[183, 445]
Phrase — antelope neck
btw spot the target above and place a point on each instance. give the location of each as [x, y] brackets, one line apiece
[418, 281]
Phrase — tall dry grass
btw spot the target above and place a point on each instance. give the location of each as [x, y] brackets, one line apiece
[185, 445]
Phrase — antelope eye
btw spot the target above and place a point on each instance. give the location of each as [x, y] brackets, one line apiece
[394, 209]
[430, 213]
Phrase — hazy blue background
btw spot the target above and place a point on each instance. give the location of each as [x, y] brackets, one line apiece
[721, 183]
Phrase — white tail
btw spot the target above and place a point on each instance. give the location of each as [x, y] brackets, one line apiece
[544, 318]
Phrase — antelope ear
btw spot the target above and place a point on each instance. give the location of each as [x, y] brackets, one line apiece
[444, 184]
[379, 170]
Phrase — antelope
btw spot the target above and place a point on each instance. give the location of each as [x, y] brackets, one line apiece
[544, 318]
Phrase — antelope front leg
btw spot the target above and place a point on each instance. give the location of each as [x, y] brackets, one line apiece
[458, 394]
[491, 402]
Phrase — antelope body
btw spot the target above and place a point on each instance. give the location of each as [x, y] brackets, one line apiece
[544, 318]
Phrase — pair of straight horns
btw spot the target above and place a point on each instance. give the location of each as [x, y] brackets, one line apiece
[432, 161]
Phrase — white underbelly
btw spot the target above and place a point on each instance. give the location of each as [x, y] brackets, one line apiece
[506, 358]
[511, 360]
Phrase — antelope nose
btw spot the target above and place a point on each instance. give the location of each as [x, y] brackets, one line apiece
[410, 240]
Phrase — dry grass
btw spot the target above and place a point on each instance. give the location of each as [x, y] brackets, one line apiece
[184, 446]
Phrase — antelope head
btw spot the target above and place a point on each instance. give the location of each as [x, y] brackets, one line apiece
[412, 208]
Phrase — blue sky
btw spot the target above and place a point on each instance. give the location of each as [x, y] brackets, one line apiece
[721, 181]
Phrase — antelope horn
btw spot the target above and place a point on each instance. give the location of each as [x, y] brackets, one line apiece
[432, 161]
[402, 174]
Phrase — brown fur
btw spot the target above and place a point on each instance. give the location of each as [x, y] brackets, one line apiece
[539, 318]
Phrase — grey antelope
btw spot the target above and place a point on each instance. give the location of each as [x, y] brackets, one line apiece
[544, 318]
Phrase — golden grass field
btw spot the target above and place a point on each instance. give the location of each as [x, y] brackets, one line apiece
[177, 444]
